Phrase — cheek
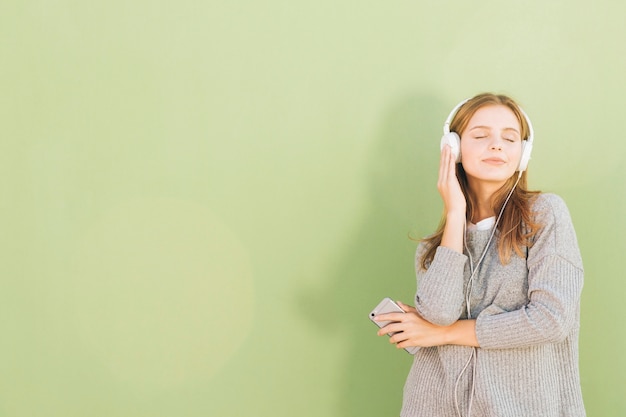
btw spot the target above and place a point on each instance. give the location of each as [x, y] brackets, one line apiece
[470, 149]
[515, 153]
[469, 159]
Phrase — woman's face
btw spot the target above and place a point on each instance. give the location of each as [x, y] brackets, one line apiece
[491, 145]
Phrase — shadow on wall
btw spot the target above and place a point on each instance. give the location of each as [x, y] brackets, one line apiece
[379, 261]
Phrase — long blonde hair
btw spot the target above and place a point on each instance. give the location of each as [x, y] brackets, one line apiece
[516, 225]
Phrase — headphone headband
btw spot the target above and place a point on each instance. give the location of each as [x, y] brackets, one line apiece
[455, 110]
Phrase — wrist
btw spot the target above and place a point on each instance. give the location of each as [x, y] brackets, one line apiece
[453, 232]
[462, 332]
[455, 218]
[456, 214]
[447, 334]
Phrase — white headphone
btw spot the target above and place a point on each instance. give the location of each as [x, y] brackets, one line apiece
[453, 139]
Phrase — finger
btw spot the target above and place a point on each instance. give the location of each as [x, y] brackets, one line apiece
[443, 165]
[390, 329]
[405, 344]
[451, 166]
[406, 308]
[402, 305]
[389, 317]
[398, 338]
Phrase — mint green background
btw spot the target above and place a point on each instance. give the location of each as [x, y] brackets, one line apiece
[201, 201]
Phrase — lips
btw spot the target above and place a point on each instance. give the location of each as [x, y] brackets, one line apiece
[494, 161]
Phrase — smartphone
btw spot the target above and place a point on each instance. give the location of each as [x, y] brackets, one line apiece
[387, 305]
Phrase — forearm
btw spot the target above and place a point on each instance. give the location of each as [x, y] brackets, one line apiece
[440, 288]
[410, 329]
[452, 237]
[550, 316]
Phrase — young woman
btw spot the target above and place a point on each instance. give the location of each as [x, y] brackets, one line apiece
[496, 312]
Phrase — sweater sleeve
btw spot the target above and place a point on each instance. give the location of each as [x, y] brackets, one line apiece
[555, 279]
[439, 297]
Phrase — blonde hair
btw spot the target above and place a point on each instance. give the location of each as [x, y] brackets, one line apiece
[516, 225]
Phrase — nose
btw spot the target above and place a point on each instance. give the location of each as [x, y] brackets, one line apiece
[496, 144]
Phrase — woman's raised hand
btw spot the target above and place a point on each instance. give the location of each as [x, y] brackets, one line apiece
[453, 200]
[448, 184]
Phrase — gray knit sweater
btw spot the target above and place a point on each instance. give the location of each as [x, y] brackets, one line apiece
[527, 325]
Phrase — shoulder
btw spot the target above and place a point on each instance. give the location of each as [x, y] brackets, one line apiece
[549, 201]
[549, 208]
[556, 232]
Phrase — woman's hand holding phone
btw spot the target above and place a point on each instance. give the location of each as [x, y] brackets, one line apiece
[408, 329]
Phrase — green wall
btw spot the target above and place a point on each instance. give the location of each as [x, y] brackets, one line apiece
[201, 201]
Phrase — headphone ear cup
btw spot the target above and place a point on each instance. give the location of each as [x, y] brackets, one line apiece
[527, 148]
[452, 139]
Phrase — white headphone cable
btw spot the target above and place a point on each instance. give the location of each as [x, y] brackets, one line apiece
[474, 268]
[470, 282]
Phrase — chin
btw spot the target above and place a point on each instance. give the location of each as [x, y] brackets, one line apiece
[492, 179]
